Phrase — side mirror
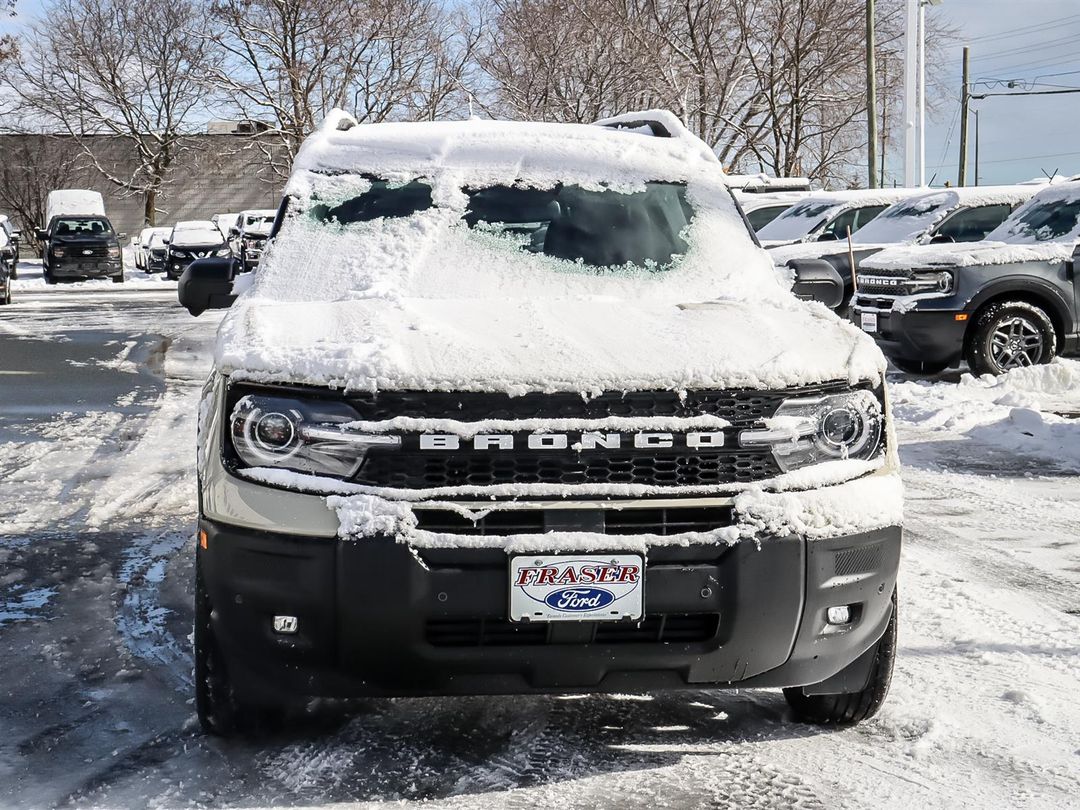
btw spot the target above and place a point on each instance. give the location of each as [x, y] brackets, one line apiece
[1072, 262]
[207, 284]
[165, 241]
[16, 234]
[234, 232]
[817, 280]
[828, 236]
[41, 235]
[942, 239]
[121, 235]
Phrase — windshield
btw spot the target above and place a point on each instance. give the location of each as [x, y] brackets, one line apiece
[196, 236]
[798, 221]
[598, 229]
[82, 226]
[907, 220]
[258, 223]
[1044, 219]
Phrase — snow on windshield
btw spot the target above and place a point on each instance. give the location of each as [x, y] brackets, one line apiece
[906, 221]
[799, 220]
[259, 222]
[1052, 215]
[196, 236]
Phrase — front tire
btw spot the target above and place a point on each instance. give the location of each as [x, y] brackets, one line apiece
[852, 708]
[49, 277]
[1008, 335]
[118, 279]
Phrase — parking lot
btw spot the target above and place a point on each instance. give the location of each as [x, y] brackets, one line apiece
[97, 444]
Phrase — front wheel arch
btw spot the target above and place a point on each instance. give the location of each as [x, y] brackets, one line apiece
[1036, 298]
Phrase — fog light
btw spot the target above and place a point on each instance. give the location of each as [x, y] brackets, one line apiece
[841, 614]
[288, 625]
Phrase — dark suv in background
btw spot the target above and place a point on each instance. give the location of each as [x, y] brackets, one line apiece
[1007, 302]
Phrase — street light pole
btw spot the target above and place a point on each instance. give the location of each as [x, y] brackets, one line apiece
[922, 94]
[911, 58]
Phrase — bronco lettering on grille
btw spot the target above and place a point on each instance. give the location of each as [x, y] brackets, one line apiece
[586, 440]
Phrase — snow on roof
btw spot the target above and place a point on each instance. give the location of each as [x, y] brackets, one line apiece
[500, 152]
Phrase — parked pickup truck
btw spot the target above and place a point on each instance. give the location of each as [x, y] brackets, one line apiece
[523, 408]
[1006, 302]
[78, 240]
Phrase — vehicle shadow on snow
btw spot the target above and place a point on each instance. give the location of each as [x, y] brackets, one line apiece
[439, 748]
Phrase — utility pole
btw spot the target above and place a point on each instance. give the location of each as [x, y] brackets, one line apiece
[871, 96]
[965, 102]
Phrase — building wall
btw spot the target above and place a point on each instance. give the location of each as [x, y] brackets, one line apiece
[213, 174]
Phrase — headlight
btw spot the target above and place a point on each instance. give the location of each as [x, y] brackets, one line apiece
[812, 430]
[307, 436]
[940, 281]
[222, 252]
[114, 253]
[58, 252]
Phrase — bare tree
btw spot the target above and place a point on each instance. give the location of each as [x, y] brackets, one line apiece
[32, 167]
[116, 67]
[288, 62]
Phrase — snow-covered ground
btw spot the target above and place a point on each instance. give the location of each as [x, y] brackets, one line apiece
[98, 385]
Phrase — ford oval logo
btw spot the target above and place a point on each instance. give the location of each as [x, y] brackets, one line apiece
[579, 599]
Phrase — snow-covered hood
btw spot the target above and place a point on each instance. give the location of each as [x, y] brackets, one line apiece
[554, 345]
[971, 254]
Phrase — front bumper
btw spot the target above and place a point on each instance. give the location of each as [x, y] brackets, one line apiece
[377, 617]
[932, 336]
[97, 268]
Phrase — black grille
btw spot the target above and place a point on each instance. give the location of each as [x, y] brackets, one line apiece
[677, 628]
[611, 521]
[87, 251]
[737, 406]
[423, 470]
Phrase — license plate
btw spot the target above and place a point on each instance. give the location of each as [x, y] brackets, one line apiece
[868, 321]
[576, 588]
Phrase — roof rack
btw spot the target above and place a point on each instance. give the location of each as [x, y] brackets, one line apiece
[660, 123]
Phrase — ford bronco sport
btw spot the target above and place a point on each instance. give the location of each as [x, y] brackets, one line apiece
[522, 408]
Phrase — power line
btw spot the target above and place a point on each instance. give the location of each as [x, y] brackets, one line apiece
[1029, 93]
[1027, 29]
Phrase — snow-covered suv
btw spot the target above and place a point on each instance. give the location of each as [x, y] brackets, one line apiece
[514, 407]
[1006, 302]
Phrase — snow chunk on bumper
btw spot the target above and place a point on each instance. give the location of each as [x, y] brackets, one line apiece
[864, 504]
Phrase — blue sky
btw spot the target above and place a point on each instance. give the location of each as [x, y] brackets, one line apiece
[1010, 39]
[1020, 136]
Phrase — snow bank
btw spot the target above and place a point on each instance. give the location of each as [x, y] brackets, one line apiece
[1013, 412]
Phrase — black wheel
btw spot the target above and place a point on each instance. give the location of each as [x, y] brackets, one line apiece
[849, 709]
[220, 710]
[1008, 335]
[918, 366]
[5, 299]
[118, 279]
[49, 278]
